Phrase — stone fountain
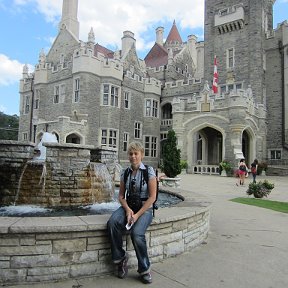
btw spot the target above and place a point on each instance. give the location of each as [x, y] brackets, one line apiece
[38, 249]
[52, 175]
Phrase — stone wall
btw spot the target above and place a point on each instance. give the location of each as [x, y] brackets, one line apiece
[53, 248]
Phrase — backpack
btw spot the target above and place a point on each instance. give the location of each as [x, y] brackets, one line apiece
[145, 176]
[242, 168]
[253, 170]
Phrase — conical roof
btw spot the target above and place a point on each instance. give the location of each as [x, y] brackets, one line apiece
[174, 35]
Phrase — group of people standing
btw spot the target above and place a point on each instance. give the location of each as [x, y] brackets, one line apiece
[243, 170]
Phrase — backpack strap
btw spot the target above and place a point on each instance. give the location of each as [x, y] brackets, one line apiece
[144, 174]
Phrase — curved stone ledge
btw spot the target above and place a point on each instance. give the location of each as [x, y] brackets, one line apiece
[34, 249]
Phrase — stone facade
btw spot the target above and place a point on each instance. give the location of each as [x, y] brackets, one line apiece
[87, 94]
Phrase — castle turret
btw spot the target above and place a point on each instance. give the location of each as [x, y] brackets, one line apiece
[69, 17]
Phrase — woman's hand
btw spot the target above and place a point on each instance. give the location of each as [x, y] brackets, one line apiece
[130, 216]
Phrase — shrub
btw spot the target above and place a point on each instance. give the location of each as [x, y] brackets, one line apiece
[171, 156]
[260, 189]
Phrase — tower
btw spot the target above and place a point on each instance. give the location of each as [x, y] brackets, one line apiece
[69, 17]
[235, 32]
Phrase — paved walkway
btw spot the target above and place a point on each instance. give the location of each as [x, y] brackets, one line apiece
[247, 246]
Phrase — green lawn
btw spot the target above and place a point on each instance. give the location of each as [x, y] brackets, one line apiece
[268, 204]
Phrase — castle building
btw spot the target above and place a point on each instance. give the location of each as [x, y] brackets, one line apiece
[87, 94]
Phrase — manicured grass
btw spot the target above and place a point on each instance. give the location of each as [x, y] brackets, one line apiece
[268, 204]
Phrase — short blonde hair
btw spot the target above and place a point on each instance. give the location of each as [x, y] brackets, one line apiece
[135, 146]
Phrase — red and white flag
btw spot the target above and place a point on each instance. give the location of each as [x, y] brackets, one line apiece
[215, 77]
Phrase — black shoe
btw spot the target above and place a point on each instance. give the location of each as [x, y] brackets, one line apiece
[123, 268]
[146, 278]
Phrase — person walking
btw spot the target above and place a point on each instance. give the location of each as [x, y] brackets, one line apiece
[254, 167]
[242, 170]
[133, 216]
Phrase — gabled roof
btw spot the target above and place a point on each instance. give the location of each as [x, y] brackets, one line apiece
[157, 56]
[174, 35]
[101, 49]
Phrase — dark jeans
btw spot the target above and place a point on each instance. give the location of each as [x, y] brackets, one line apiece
[254, 177]
[116, 228]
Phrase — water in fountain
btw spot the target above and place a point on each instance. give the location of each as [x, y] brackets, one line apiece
[60, 180]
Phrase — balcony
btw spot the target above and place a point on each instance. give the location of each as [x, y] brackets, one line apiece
[166, 123]
[230, 19]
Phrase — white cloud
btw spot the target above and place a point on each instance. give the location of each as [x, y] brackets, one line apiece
[3, 109]
[10, 70]
[109, 20]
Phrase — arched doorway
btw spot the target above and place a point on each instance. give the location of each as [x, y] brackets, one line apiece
[73, 138]
[209, 142]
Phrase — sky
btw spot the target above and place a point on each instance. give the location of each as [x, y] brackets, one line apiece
[28, 26]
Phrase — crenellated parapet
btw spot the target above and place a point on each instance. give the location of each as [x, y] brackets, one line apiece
[85, 61]
[207, 101]
[182, 83]
[151, 85]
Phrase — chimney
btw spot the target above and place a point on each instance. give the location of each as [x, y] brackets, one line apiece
[127, 42]
[159, 35]
[192, 40]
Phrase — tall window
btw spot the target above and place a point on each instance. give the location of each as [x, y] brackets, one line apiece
[155, 109]
[76, 90]
[109, 138]
[126, 100]
[114, 96]
[27, 104]
[56, 94]
[36, 104]
[37, 99]
[62, 93]
[150, 146]
[125, 141]
[148, 108]
[230, 58]
[137, 130]
[151, 108]
[110, 95]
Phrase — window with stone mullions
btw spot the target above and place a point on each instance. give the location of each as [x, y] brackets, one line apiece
[110, 95]
[150, 146]
[137, 130]
[151, 108]
[114, 96]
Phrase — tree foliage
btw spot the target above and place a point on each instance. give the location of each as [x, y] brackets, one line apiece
[9, 127]
[171, 156]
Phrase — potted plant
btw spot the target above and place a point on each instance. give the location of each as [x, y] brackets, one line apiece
[225, 167]
[171, 160]
[260, 189]
[184, 166]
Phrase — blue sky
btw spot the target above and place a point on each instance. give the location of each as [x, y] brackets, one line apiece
[27, 26]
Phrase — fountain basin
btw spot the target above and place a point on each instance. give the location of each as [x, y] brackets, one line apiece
[34, 249]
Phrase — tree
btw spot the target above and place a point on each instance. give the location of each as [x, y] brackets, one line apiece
[171, 156]
[8, 127]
